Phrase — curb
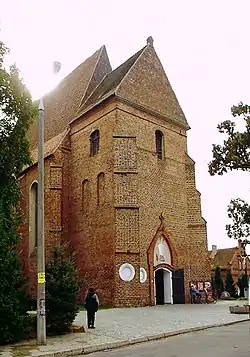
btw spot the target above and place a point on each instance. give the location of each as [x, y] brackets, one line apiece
[123, 343]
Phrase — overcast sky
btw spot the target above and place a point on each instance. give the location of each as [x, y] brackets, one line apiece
[203, 45]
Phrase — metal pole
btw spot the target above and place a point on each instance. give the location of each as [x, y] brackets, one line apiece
[41, 318]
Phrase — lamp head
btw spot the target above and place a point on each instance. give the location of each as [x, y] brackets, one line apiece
[56, 67]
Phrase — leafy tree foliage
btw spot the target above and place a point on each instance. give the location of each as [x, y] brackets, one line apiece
[229, 284]
[16, 114]
[62, 287]
[238, 212]
[234, 154]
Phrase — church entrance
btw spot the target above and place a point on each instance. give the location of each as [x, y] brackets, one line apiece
[163, 286]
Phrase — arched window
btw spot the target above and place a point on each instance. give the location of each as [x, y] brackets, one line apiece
[85, 196]
[159, 142]
[100, 188]
[94, 142]
[33, 216]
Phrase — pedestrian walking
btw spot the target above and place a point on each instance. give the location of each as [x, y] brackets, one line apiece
[192, 294]
[91, 303]
[206, 296]
[198, 296]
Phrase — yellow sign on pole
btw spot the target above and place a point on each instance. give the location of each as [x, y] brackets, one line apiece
[41, 278]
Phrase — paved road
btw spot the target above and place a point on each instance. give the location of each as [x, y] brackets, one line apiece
[228, 341]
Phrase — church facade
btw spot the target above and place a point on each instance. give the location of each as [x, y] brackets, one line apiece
[119, 184]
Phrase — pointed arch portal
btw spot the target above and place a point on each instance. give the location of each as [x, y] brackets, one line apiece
[167, 283]
[162, 273]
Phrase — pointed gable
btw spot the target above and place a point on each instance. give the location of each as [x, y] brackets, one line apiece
[146, 84]
[110, 82]
[141, 80]
[102, 69]
[62, 104]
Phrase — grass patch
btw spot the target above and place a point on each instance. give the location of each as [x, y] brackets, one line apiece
[22, 351]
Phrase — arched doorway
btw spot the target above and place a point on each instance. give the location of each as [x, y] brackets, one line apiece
[163, 286]
[162, 273]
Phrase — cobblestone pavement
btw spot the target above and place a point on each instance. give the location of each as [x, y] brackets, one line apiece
[121, 327]
[138, 322]
[226, 341]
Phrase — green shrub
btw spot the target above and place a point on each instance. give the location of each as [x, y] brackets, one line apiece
[16, 112]
[31, 327]
[229, 286]
[61, 290]
[218, 282]
[243, 283]
[13, 295]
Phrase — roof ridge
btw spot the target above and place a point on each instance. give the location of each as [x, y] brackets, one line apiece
[111, 90]
[141, 52]
[99, 56]
[71, 72]
[226, 248]
[78, 112]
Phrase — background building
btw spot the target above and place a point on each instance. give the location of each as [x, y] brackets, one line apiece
[229, 259]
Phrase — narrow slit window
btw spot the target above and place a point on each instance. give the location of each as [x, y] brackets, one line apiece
[100, 188]
[85, 196]
[159, 142]
[94, 142]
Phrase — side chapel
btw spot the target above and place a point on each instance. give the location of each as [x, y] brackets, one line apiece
[119, 183]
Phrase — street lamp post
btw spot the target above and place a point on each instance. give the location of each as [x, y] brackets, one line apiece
[41, 311]
[41, 314]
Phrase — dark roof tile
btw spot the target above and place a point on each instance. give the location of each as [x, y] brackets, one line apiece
[62, 104]
[110, 82]
[223, 257]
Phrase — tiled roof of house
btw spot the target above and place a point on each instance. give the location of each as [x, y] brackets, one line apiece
[50, 146]
[140, 80]
[62, 104]
[110, 82]
[223, 257]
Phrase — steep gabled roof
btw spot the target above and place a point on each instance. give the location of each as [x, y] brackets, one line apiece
[140, 80]
[62, 104]
[110, 82]
[50, 146]
[223, 257]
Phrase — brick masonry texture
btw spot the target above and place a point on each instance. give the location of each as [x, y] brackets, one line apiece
[108, 205]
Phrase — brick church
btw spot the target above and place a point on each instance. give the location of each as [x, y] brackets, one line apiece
[119, 184]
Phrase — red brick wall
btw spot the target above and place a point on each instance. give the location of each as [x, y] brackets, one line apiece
[122, 225]
[54, 208]
[154, 186]
[92, 228]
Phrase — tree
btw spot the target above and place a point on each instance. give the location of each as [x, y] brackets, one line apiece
[238, 212]
[61, 290]
[243, 283]
[16, 114]
[229, 286]
[218, 282]
[234, 154]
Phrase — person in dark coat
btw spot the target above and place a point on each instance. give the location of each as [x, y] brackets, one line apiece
[91, 303]
[192, 294]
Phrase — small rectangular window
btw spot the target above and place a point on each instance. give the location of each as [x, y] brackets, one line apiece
[159, 142]
[94, 143]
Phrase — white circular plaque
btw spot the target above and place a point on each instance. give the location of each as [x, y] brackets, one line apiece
[143, 275]
[127, 272]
